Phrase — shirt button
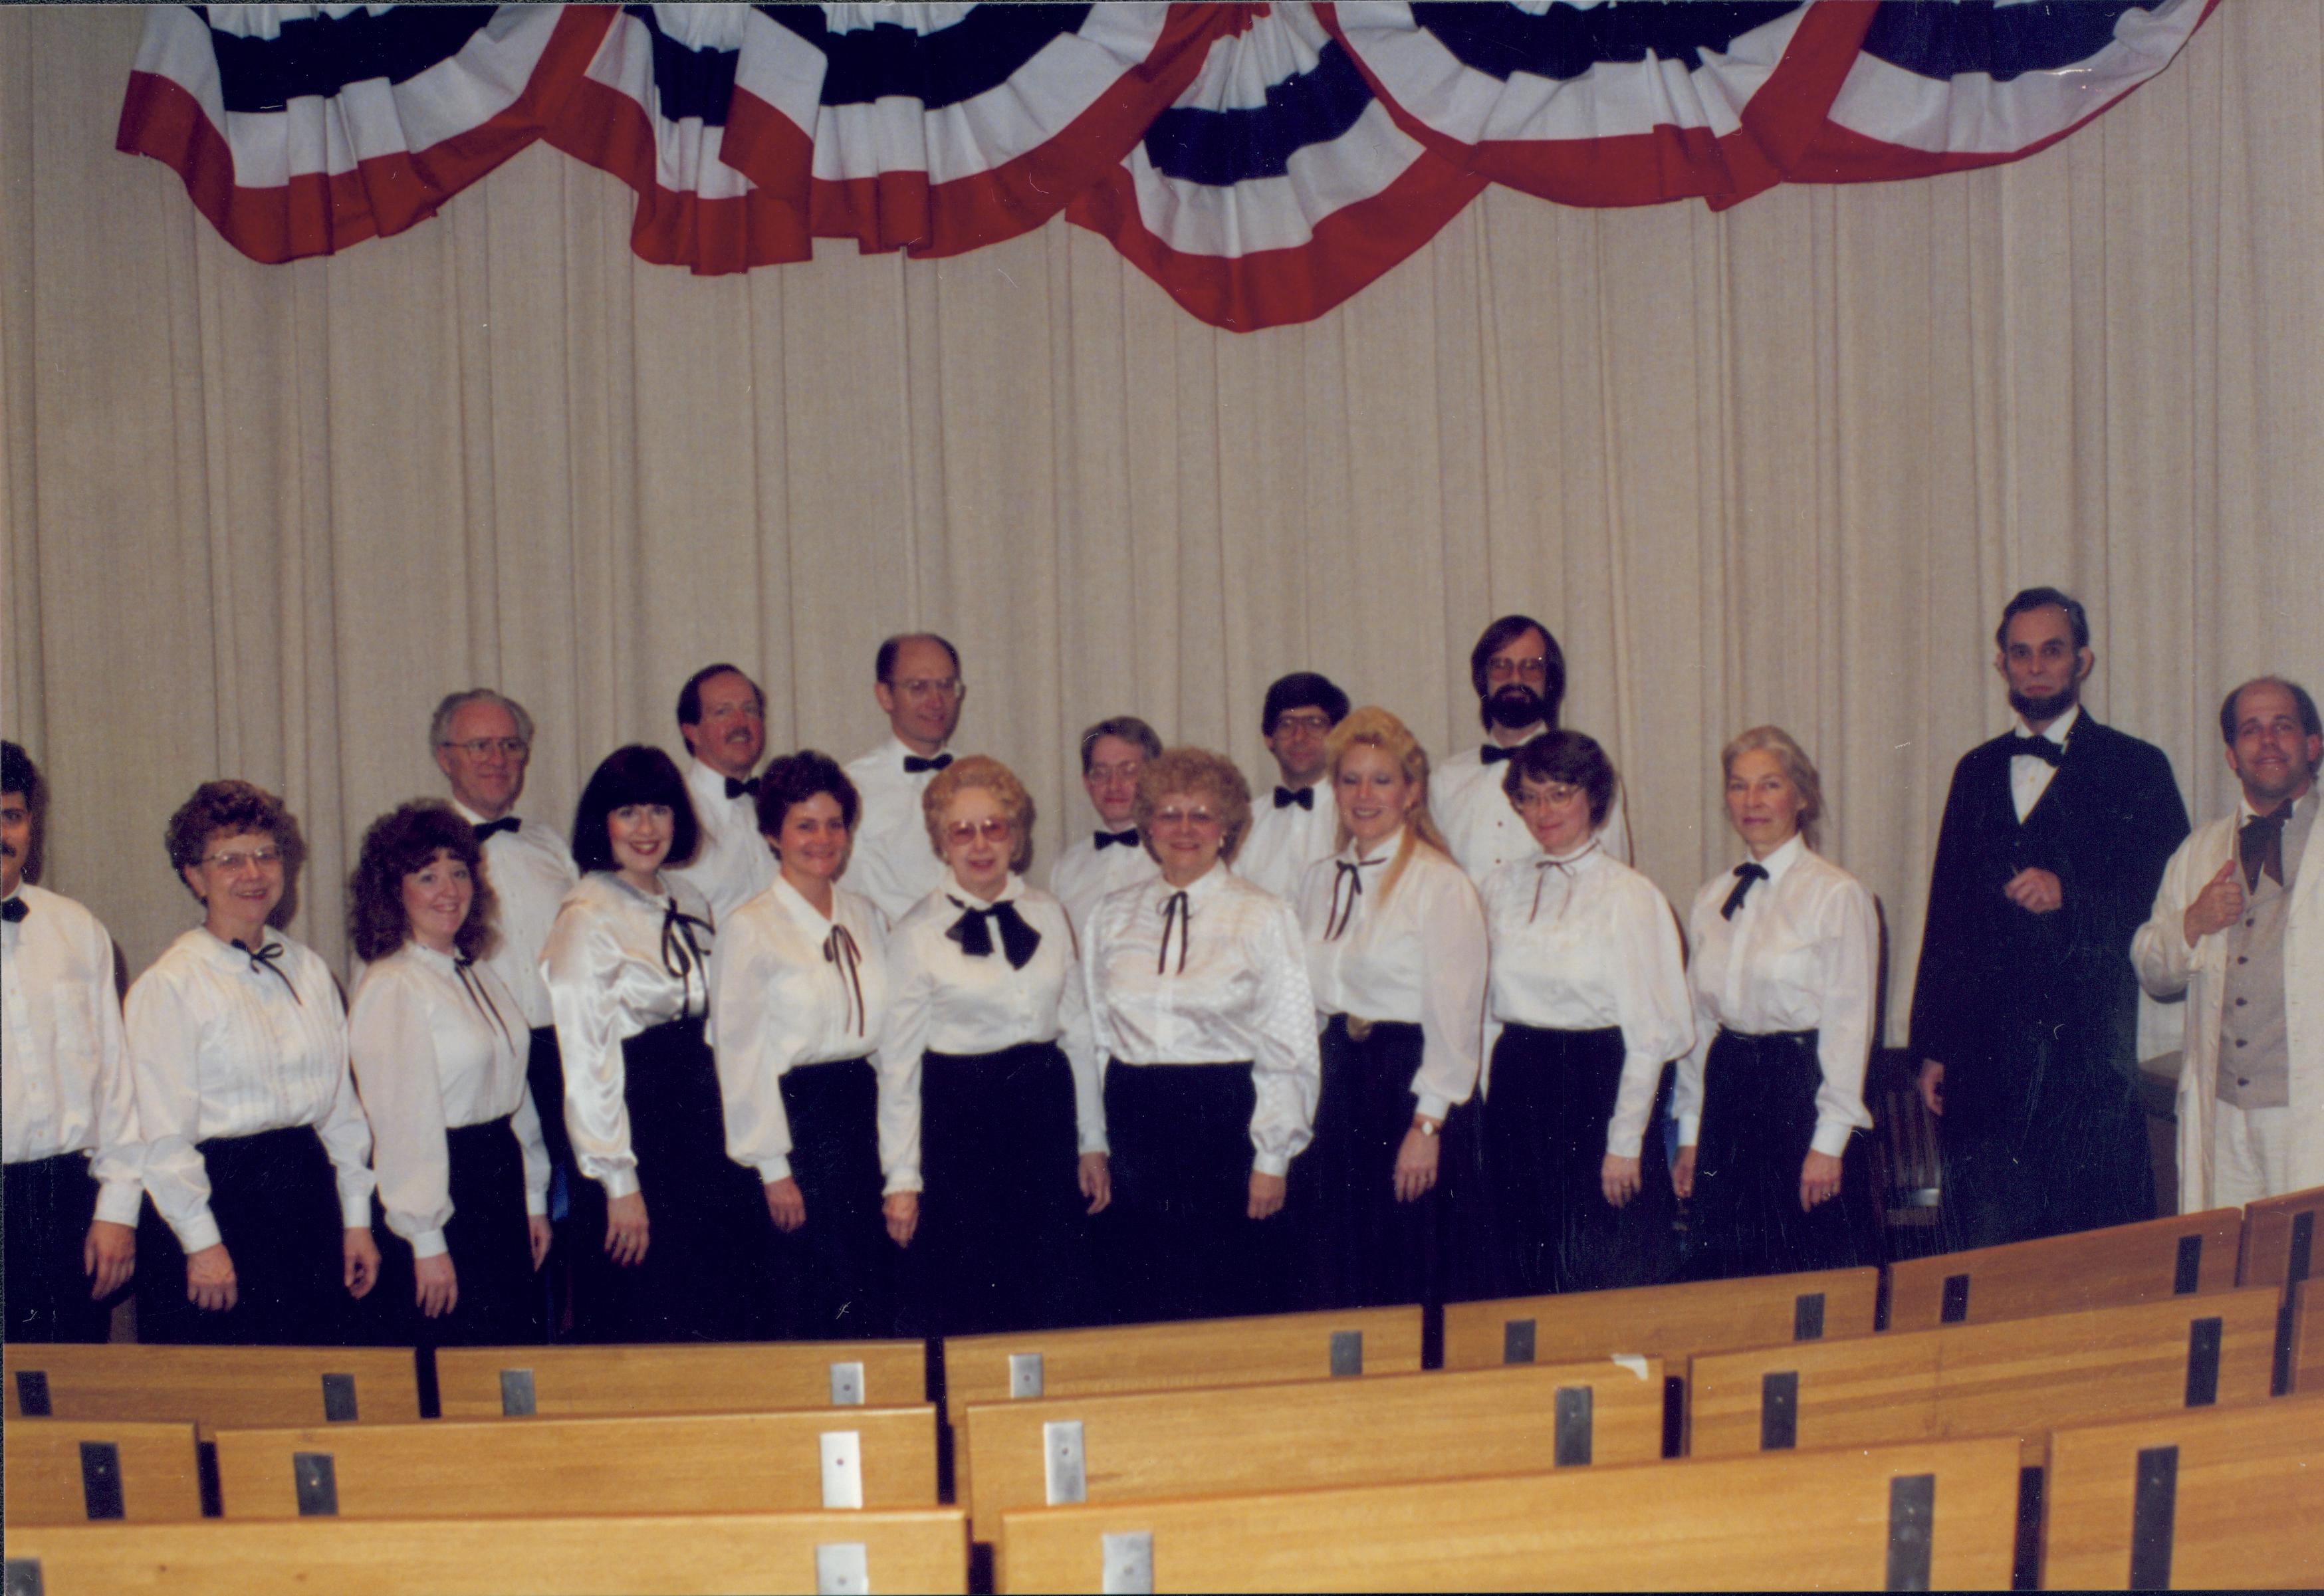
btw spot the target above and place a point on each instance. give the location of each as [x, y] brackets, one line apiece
[2239, 1042]
[2241, 1001]
[2243, 1080]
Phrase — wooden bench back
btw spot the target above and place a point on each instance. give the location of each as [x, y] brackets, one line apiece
[2163, 1258]
[1143, 1445]
[2280, 1240]
[213, 1387]
[2229, 1495]
[63, 1471]
[1802, 1521]
[738, 1463]
[689, 1555]
[757, 1377]
[2303, 1338]
[1671, 1321]
[2019, 1377]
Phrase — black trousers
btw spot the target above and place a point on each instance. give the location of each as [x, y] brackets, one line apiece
[838, 1277]
[2046, 1141]
[544, 1078]
[489, 1242]
[1358, 1246]
[50, 1204]
[276, 1202]
[1758, 1117]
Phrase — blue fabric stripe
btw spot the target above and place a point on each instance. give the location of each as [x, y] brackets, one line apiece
[688, 82]
[2003, 42]
[1566, 42]
[1222, 148]
[321, 56]
[978, 53]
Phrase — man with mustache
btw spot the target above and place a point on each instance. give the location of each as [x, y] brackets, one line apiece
[2238, 927]
[722, 716]
[71, 1114]
[2025, 1011]
[1519, 674]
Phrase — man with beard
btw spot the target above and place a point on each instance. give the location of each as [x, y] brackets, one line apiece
[1519, 674]
[722, 716]
[1300, 824]
[917, 681]
[2239, 927]
[2025, 1013]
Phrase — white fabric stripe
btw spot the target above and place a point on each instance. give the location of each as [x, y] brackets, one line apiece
[685, 152]
[1275, 213]
[1286, 43]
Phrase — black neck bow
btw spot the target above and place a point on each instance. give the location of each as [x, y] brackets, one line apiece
[973, 932]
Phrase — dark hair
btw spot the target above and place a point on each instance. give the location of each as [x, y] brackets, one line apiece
[2078, 619]
[19, 774]
[404, 840]
[1570, 757]
[883, 664]
[1301, 689]
[635, 774]
[689, 696]
[1507, 631]
[2306, 705]
[795, 778]
[1129, 729]
[230, 809]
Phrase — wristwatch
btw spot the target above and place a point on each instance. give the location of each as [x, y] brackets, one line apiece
[1425, 1126]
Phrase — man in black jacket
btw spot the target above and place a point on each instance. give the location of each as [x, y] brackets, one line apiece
[2025, 1013]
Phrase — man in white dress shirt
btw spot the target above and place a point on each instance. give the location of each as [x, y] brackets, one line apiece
[71, 1118]
[917, 682]
[1113, 751]
[1300, 824]
[1519, 674]
[722, 716]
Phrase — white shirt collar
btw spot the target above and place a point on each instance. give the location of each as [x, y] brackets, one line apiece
[2244, 811]
[1379, 855]
[1014, 889]
[904, 750]
[2056, 730]
[1782, 860]
[1205, 887]
[710, 782]
[795, 904]
[1584, 857]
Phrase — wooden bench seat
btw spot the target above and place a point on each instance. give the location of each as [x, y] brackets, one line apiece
[1144, 1445]
[1805, 1520]
[213, 1387]
[579, 1382]
[65, 1471]
[2280, 1244]
[2185, 1256]
[2226, 1496]
[744, 1462]
[1669, 1321]
[675, 1554]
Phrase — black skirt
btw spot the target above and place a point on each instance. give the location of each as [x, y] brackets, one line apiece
[1552, 1096]
[1759, 1118]
[1358, 1246]
[276, 1202]
[51, 1204]
[490, 1244]
[544, 1078]
[838, 1277]
[1179, 1244]
[1003, 1225]
[704, 1275]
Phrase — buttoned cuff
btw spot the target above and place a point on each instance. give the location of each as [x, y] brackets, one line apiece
[536, 1205]
[619, 1182]
[354, 1212]
[118, 1202]
[1831, 1138]
[428, 1244]
[1433, 1106]
[1690, 1129]
[1096, 1144]
[199, 1231]
[1619, 1146]
[905, 1179]
[772, 1170]
[1273, 1164]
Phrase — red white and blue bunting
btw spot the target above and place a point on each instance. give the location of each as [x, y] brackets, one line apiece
[1260, 163]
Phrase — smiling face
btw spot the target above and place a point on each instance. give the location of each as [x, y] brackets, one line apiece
[922, 695]
[1557, 814]
[437, 898]
[1374, 796]
[1298, 744]
[1186, 836]
[979, 836]
[239, 879]
[2272, 755]
[15, 838]
[731, 733]
[1762, 801]
[639, 834]
[1111, 779]
[813, 843]
[483, 756]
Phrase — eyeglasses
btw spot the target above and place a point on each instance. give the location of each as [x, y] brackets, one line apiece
[942, 687]
[1548, 795]
[994, 828]
[476, 748]
[265, 859]
[1318, 722]
[1501, 668]
[1176, 816]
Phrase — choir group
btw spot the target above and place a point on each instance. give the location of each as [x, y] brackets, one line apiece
[799, 1052]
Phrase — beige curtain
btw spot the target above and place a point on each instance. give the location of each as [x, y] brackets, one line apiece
[1783, 464]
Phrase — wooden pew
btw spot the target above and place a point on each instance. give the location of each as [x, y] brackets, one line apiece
[2280, 1243]
[63, 1471]
[732, 1463]
[1671, 1321]
[2020, 1376]
[924, 1549]
[1806, 1520]
[215, 1388]
[2183, 1256]
[2303, 1338]
[757, 1377]
[2227, 1496]
[1144, 1445]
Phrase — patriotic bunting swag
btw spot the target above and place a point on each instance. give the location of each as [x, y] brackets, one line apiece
[1260, 163]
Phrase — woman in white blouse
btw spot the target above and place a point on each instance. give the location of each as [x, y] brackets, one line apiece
[1199, 1000]
[1771, 1098]
[988, 1023]
[1590, 1003]
[439, 1049]
[813, 1105]
[257, 1156]
[669, 1232]
[1396, 955]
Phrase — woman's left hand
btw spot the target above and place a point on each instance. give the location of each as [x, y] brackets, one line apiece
[1267, 1192]
[1618, 1178]
[1415, 1166]
[1818, 1179]
[361, 1255]
[538, 1232]
[903, 1210]
[1097, 1181]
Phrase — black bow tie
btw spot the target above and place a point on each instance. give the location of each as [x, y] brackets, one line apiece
[1304, 797]
[263, 958]
[914, 765]
[488, 829]
[2037, 748]
[1018, 941]
[1107, 839]
[840, 952]
[748, 784]
[2260, 843]
[681, 954]
[1493, 754]
[1744, 875]
[13, 911]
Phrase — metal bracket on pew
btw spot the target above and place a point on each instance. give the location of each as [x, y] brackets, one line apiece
[340, 1398]
[32, 1395]
[1347, 1353]
[315, 1478]
[2153, 1513]
[841, 1568]
[1912, 1518]
[1571, 1427]
[1955, 1307]
[1126, 1564]
[2187, 1272]
[1779, 1411]
[24, 1577]
[1023, 1375]
[2303, 1245]
[847, 1385]
[517, 1394]
[100, 1479]
[1807, 1316]
[1065, 1466]
[1516, 1340]
[2203, 1363]
[842, 1468]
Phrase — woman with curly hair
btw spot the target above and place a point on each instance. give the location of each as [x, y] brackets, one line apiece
[258, 1158]
[439, 1049]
